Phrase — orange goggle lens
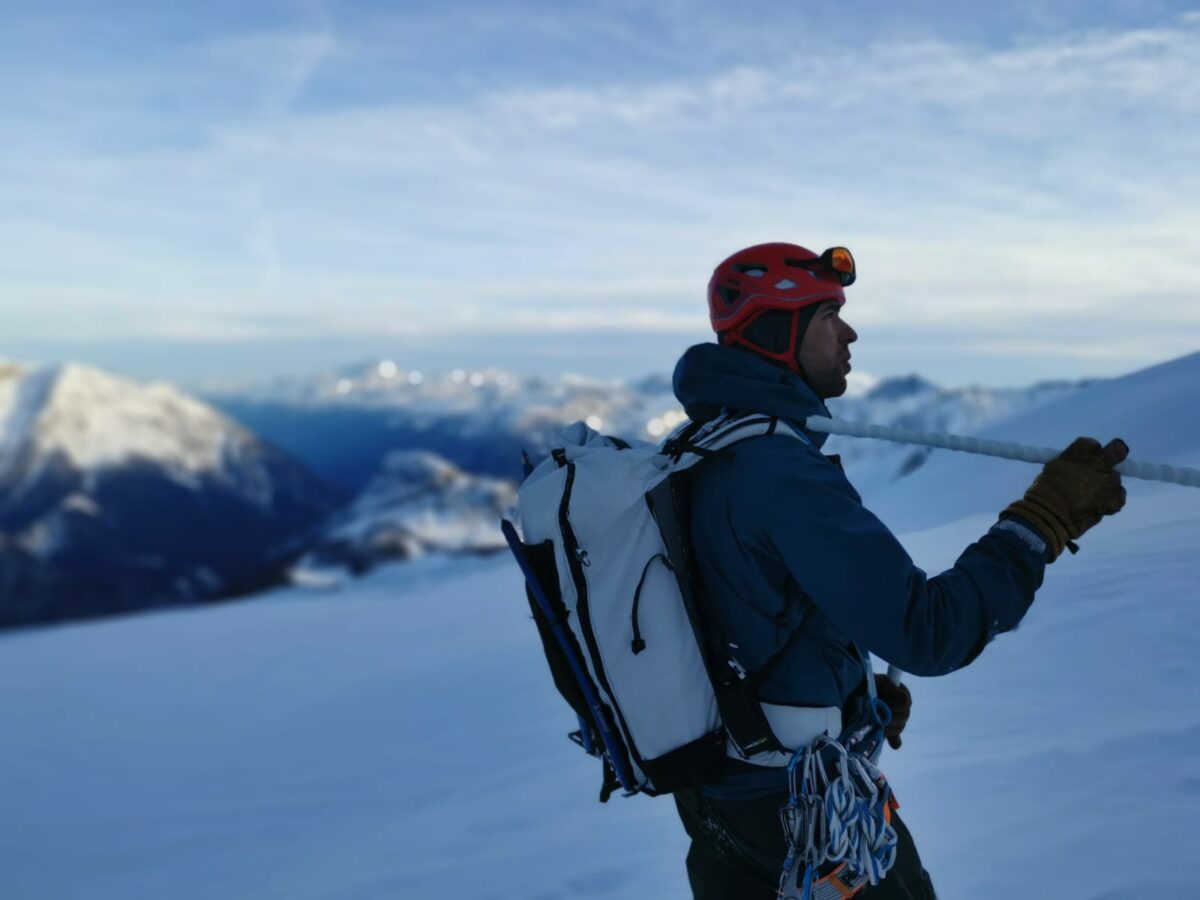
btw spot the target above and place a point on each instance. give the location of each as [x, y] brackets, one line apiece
[840, 260]
[836, 260]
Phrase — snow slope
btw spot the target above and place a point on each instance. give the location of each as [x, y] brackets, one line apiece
[402, 739]
[1071, 748]
[400, 742]
[1154, 411]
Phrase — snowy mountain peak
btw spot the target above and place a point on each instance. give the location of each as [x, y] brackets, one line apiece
[859, 384]
[418, 468]
[96, 419]
[90, 421]
[903, 387]
[117, 495]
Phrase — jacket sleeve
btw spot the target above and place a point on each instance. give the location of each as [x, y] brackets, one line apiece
[859, 576]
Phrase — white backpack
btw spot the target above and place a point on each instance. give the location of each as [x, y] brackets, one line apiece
[659, 697]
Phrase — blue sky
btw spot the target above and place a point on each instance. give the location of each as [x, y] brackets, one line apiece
[215, 189]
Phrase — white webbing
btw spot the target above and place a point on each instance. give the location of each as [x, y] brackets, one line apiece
[1129, 469]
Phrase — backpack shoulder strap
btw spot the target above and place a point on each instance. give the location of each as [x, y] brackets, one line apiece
[743, 715]
[699, 441]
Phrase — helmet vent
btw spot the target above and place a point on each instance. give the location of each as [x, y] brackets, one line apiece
[758, 270]
[728, 294]
[785, 284]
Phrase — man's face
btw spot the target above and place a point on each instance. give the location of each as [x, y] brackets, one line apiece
[825, 351]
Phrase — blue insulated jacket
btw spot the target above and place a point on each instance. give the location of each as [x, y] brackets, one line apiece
[795, 570]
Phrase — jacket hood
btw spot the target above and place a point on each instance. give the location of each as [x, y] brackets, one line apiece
[709, 378]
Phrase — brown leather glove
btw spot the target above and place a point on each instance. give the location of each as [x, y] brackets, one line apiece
[1073, 492]
[899, 701]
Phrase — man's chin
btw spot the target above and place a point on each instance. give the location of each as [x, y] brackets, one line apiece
[832, 387]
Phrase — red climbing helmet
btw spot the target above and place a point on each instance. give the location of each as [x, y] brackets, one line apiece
[775, 276]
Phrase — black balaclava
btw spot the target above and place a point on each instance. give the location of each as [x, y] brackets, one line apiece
[773, 330]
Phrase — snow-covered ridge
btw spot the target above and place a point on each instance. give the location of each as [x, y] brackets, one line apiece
[97, 420]
[481, 420]
[633, 408]
[483, 395]
[93, 420]
[21, 400]
[417, 504]
[152, 421]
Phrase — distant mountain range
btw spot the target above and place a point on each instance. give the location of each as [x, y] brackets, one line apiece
[117, 495]
[342, 425]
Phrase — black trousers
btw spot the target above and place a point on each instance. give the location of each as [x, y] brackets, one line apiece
[738, 849]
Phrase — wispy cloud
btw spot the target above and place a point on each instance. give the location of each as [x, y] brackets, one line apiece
[1046, 177]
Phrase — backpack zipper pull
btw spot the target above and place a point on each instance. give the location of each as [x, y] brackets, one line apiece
[639, 643]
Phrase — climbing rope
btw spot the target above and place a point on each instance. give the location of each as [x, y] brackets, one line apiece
[1145, 471]
[837, 812]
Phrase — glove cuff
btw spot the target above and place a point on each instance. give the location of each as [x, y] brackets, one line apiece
[1042, 521]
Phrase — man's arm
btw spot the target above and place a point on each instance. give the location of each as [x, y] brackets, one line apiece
[860, 576]
[856, 572]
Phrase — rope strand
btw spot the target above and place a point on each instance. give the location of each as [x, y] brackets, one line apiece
[1146, 471]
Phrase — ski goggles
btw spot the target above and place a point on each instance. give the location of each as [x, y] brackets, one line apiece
[837, 261]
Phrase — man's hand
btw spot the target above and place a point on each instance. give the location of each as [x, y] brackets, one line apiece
[1074, 492]
[899, 701]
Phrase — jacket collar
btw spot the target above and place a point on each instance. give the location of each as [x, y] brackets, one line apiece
[710, 378]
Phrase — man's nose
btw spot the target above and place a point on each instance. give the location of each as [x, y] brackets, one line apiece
[851, 335]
